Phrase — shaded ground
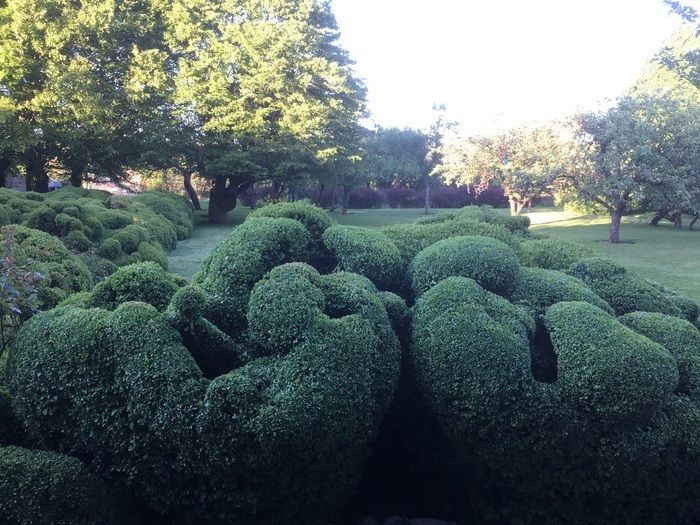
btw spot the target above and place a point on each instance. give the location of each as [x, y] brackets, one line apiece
[662, 254]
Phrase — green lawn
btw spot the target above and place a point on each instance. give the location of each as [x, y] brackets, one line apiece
[663, 254]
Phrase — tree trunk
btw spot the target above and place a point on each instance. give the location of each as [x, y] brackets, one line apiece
[426, 208]
[661, 214]
[187, 179]
[513, 206]
[692, 223]
[615, 220]
[222, 199]
[320, 195]
[332, 205]
[346, 199]
[36, 179]
[76, 176]
[678, 220]
[5, 164]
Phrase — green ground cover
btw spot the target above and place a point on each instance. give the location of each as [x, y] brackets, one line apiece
[663, 254]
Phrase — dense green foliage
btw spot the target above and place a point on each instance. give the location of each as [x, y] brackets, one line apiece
[314, 219]
[257, 393]
[237, 263]
[551, 254]
[680, 338]
[106, 231]
[537, 289]
[62, 272]
[490, 262]
[624, 291]
[367, 252]
[46, 488]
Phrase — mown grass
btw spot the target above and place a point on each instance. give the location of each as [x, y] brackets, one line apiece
[662, 254]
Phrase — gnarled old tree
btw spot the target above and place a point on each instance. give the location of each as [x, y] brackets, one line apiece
[523, 161]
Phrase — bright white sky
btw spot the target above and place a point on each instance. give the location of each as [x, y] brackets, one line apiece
[498, 63]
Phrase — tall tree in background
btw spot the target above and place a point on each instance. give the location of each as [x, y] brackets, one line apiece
[257, 78]
[431, 169]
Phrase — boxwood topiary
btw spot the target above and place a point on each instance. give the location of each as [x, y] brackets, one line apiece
[412, 238]
[490, 262]
[11, 432]
[110, 249]
[551, 253]
[62, 273]
[618, 375]
[367, 252]
[118, 390]
[45, 488]
[537, 289]
[679, 337]
[625, 292]
[227, 276]
[146, 282]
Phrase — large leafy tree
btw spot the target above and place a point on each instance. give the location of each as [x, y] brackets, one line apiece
[523, 161]
[258, 78]
[635, 152]
[76, 74]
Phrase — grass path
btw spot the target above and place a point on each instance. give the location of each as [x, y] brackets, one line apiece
[663, 254]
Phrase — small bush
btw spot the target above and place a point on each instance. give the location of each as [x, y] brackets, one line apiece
[110, 249]
[146, 282]
[150, 252]
[679, 337]
[227, 276]
[490, 262]
[77, 241]
[551, 253]
[625, 292]
[619, 376]
[538, 289]
[367, 252]
[131, 236]
[518, 224]
[62, 272]
[45, 488]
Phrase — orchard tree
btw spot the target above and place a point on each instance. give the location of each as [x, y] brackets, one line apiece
[632, 153]
[431, 166]
[525, 162]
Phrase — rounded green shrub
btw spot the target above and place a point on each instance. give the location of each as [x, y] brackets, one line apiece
[131, 236]
[551, 253]
[625, 292]
[11, 432]
[113, 219]
[227, 276]
[516, 224]
[6, 215]
[77, 241]
[65, 224]
[679, 337]
[314, 219]
[367, 252]
[146, 282]
[490, 262]
[283, 307]
[604, 367]
[412, 238]
[118, 390]
[110, 249]
[42, 218]
[149, 252]
[176, 209]
[537, 289]
[45, 488]
[62, 273]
